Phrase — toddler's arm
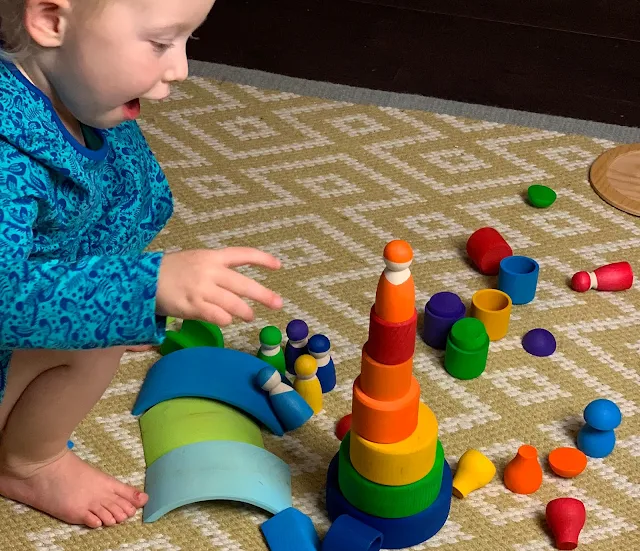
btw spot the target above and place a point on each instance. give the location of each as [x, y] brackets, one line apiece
[96, 302]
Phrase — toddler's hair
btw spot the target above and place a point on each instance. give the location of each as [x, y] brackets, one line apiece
[15, 42]
[15, 39]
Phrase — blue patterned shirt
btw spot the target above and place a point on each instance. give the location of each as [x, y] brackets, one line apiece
[74, 223]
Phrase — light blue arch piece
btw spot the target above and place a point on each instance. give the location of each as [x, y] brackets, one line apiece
[221, 374]
[220, 470]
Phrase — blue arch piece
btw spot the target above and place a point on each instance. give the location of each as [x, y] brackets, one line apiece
[220, 374]
[397, 533]
[219, 470]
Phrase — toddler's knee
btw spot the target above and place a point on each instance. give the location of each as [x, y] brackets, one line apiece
[94, 355]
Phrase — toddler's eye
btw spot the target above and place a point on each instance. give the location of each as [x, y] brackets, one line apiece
[160, 48]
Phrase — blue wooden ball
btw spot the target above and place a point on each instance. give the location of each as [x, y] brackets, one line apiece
[603, 414]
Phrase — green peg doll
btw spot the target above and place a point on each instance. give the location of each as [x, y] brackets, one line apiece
[270, 350]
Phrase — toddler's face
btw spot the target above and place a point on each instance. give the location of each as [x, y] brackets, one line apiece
[131, 49]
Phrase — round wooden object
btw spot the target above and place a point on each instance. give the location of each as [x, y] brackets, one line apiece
[384, 421]
[388, 501]
[385, 382]
[615, 176]
[400, 463]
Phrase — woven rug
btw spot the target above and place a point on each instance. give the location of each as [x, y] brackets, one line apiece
[324, 185]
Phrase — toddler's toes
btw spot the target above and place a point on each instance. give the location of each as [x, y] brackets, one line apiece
[117, 511]
[104, 515]
[128, 509]
[131, 494]
[71, 490]
[91, 520]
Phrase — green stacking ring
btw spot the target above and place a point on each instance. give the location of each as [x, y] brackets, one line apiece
[388, 501]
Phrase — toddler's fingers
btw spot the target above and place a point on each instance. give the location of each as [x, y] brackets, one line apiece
[244, 286]
[230, 303]
[233, 257]
[214, 314]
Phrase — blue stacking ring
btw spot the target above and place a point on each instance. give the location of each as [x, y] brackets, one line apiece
[397, 533]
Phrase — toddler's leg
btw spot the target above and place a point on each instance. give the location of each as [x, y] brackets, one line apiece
[140, 348]
[49, 392]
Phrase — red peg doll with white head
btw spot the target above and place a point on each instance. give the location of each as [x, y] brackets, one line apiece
[612, 277]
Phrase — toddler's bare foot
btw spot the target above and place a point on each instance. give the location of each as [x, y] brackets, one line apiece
[140, 348]
[72, 491]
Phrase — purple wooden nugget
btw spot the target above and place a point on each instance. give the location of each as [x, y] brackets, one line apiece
[539, 342]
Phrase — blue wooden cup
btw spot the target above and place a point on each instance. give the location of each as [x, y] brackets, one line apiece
[518, 278]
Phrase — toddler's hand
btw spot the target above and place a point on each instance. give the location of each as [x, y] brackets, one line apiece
[201, 284]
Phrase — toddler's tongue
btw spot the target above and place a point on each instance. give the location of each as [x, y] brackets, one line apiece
[132, 109]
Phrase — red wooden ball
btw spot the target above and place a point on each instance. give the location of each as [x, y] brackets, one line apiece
[343, 426]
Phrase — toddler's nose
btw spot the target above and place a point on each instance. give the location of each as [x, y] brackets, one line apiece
[179, 69]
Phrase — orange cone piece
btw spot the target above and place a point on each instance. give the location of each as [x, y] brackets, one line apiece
[523, 474]
[395, 295]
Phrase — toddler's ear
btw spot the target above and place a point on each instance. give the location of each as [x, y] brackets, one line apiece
[46, 21]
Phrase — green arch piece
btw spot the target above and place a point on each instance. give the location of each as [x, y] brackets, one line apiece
[181, 421]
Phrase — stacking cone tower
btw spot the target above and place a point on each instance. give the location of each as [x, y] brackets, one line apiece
[390, 471]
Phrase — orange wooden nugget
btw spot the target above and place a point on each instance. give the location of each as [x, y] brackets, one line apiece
[567, 462]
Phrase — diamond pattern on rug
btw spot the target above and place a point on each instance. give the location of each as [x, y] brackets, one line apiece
[325, 185]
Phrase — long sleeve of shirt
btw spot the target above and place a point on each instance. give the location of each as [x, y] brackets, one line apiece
[96, 301]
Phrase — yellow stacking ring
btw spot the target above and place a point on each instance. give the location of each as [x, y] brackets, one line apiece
[400, 463]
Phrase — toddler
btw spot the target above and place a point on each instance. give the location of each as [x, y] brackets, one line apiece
[81, 197]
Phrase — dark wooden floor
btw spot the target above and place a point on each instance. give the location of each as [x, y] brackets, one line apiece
[492, 55]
